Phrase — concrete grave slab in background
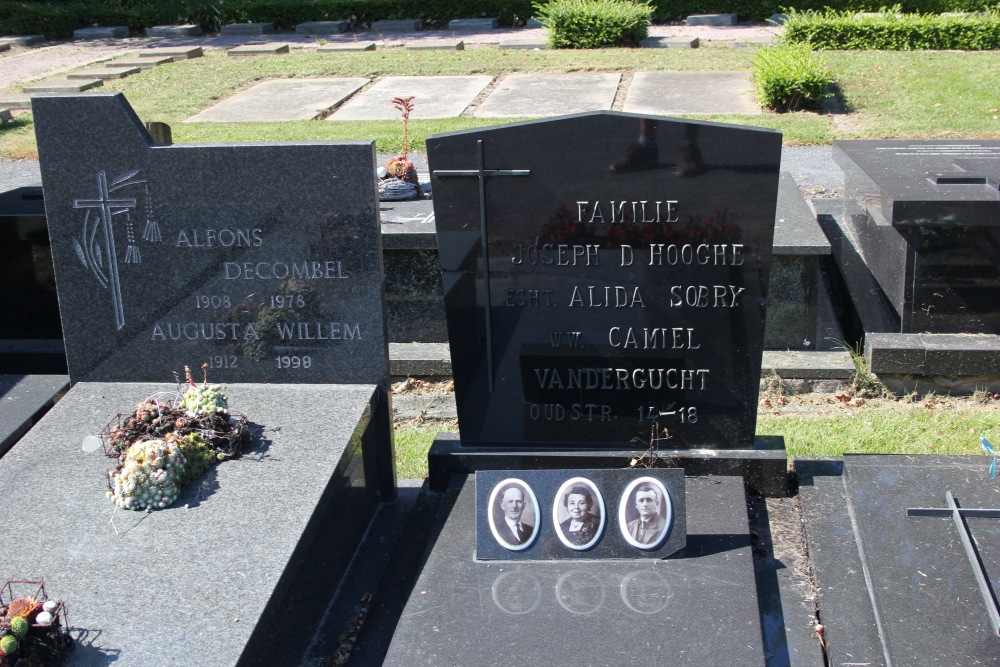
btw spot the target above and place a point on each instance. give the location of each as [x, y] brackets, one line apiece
[402, 25]
[141, 63]
[63, 86]
[247, 29]
[712, 19]
[102, 32]
[107, 73]
[347, 46]
[175, 52]
[320, 27]
[4, 115]
[186, 30]
[23, 40]
[669, 93]
[670, 43]
[258, 50]
[15, 101]
[529, 44]
[550, 95]
[473, 24]
[434, 97]
[437, 45]
[284, 99]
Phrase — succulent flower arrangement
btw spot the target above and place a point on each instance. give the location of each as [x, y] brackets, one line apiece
[33, 629]
[398, 178]
[169, 441]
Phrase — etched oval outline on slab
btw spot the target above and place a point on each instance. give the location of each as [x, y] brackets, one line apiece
[626, 506]
[496, 520]
[598, 502]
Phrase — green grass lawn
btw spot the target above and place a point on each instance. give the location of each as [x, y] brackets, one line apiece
[888, 94]
[933, 425]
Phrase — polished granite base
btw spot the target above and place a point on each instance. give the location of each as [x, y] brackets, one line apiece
[697, 607]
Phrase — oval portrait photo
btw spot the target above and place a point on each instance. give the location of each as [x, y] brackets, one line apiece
[645, 513]
[578, 513]
[513, 514]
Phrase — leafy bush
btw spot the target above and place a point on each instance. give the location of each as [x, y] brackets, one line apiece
[891, 30]
[592, 24]
[790, 77]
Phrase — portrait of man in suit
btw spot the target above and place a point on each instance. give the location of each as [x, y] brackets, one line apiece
[512, 515]
[649, 525]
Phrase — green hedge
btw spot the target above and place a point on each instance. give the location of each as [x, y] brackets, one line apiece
[761, 10]
[57, 21]
[790, 77]
[892, 31]
[58, 18]
[593, 24]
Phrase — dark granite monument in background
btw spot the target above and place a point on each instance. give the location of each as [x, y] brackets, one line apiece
[262, 263]
[923, 222]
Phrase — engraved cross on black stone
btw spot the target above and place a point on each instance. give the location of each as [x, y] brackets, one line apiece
[482, 173]
[958, 514]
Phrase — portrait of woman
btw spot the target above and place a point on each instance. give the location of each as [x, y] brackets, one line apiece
[579, 513]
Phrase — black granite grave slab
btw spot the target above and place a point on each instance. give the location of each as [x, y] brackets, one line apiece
[250, 553]
[29, 309]
[603, 273]
[908, 578]
[698, 607]
[610, 529]
[234, 256]
[23, 401]
[851, 633]
[925, 217]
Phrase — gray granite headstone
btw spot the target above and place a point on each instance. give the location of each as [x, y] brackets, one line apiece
[262, 261]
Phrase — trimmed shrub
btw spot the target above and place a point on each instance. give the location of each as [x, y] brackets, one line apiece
[790, 77]
[59, 21]
[890, 30]
[592, 24]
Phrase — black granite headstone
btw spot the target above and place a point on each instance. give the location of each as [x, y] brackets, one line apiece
[262, 261]
[925, 218]
[604, 273]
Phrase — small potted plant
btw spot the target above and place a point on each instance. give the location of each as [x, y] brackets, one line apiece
[169, 441]
[398, 178]
[33, 629]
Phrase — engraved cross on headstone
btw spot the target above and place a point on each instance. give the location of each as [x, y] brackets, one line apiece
[958, 514]
[482, 173]
[109, 207]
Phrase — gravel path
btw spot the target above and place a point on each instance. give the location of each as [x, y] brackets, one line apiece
[23, 65]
